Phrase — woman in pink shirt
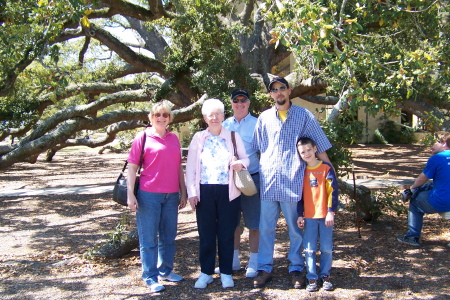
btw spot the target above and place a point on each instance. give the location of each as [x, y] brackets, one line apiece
[162, 192]
[212, 192]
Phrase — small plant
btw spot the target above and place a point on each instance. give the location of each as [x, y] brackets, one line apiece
[89, 255]
[394, 133]
[193, 128]
[378, 138]
[339, 155]
[389, 200]
[118, 234]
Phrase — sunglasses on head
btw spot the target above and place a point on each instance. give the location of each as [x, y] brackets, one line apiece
[240, 100]
[164, 115]
[281, 88]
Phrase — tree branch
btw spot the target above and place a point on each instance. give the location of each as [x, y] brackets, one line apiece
[155, 12]
[131, 57]
[60, 134]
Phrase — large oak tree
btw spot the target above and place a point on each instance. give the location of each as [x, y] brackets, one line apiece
[69, 66]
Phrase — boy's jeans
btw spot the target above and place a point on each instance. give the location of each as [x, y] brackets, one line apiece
[316, 229]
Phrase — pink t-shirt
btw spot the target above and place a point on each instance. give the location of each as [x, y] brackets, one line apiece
[162, 159]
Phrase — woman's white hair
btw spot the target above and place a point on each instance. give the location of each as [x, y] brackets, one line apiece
[212, 104]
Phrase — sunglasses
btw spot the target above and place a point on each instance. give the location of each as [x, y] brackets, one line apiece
[240, 100]
[164, 115]
[281, 88]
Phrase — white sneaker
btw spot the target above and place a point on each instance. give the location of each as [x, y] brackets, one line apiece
[227, 281]
[251, 272]
[171, 277]
[203, 280]
[156, 287]
[234, 268]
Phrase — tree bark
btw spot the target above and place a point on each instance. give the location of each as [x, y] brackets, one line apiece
[368, 209]
[115, 249]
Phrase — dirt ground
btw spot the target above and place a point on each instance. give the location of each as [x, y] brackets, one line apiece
[46, 241]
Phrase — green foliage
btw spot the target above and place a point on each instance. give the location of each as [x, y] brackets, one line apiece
[394, 133]
[378, 138]
[339, 155]
[204, 46]
[377, 54]
[118, 234]
[388, 200]
[381, 52]
[385, 201]
[193, 128]
[344, 131]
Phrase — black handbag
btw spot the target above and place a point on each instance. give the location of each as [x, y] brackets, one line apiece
[120, 187]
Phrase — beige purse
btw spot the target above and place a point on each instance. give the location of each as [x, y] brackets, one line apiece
[242, 179]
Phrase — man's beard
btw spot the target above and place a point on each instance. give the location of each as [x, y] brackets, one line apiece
[281, 101]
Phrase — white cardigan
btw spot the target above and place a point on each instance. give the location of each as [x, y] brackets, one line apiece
[193, 162]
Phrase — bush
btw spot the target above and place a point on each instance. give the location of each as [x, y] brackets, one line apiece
[378, 138]
[390, 132]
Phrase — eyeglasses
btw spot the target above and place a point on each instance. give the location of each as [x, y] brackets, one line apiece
[164, 115]
[214, 116]
[281, 88]
[240, 100]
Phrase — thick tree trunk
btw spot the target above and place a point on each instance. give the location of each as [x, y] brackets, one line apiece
[367, 208]
[114, 249]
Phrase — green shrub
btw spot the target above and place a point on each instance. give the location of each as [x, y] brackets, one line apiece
[378, 138]
[394, 133]
[389, 200]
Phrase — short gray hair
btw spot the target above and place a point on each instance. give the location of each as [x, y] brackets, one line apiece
[212, 104]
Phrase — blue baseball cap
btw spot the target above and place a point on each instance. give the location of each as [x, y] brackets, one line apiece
[280, 80]
[239, 92]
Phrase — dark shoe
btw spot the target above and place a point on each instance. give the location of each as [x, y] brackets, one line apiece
[312, 286]
[262, 278]
[297, 279]
[326, 283]
[410, 240]
[406, 195]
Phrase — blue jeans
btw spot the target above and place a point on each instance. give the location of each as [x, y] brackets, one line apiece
[314, 229]
[157, 220]
[270, 212]
[418, 206]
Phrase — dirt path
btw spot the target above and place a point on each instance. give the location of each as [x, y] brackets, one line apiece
[45, 239]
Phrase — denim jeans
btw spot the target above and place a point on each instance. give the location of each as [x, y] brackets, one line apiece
[251, 207]
[270, 212]
[418, 206]
[157, 220]
[314, 229]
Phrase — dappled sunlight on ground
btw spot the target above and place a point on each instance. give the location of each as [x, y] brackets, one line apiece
[46, 240]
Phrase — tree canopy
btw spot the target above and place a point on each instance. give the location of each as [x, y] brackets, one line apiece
[69, 66]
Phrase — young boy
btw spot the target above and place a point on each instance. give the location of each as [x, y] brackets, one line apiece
[316, 214]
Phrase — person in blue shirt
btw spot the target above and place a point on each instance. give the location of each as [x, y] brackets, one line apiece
[429, 198]
[281, 176]
[244, 123]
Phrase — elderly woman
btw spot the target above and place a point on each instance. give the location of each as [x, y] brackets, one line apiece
[158, 198]
[212, 192]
